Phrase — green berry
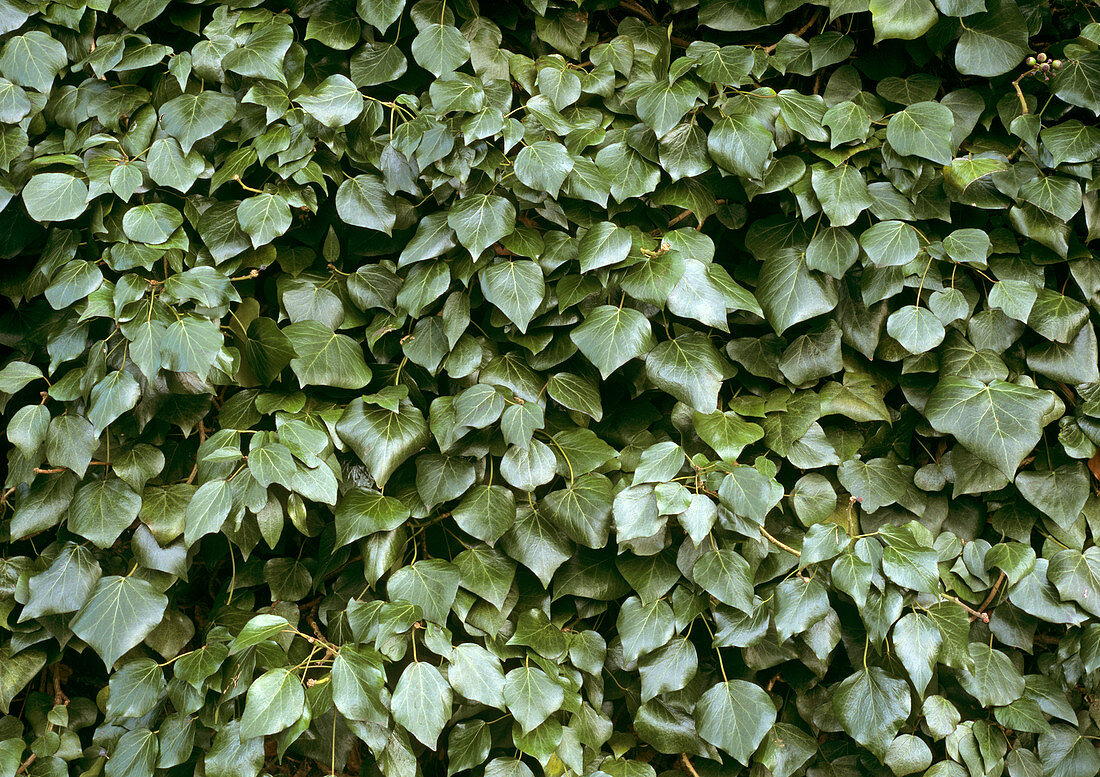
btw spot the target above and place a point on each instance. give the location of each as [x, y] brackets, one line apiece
[1056, 64]
[1031, 61]
[1042, 57]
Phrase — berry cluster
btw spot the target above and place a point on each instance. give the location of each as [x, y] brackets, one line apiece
[1043, 67]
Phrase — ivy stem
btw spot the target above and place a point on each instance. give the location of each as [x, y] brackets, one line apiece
[779, 544]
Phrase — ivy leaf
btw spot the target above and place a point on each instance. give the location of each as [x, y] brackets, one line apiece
[871, 706]
[999, 422]
[923, 129]
[325, 358]
[264, 217]
[55, 196]
[688, 368]
[1077, 83]
[481, 220]
[544, 166]
[102, 510]
[440, 48]
[790, 292]
[735, 716]
[365, 202]
[727, 577]
[740, 145]
[33, 59]
[531, 696]
[609, 337]
[336, 102]
[994, 42]
[422, 702]
[515, 288]
[119, 615]
[361, 512]
[904, 19]
[274, 702]
[191, 117]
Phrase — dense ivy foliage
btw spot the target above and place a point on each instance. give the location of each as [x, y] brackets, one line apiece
[549, 388]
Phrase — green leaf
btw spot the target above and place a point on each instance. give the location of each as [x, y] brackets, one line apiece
[422, 702]
[33, 59]
[842, 192]
[644, 627]
[382, 439]
[735, 716]
[486, 512]
[121, 612]
[380, 14]
[576, 393]
[602, 245]
[798, 605]
[994, 42]
[740, 145]
[1060, 493]
[481, 220]
[102, 510]
[429, 584]
[358, 684]
[362, 512]
[262, 52]
[134, 754]
[1077, 83]
[65, 585]
[904, 19]
[871, 706]
[790, 292]
[516, 288]
[689, 368]
[727, 577]
[917, 642]
[336, 102]
[1071, 141]
[153, 223]
[440, 48]
[191, 117]
[917, 330]
[582, 510]
[609, 337]
[274, 702]
[363, 201]
[54, 196]
[191, 344]
[660, 106]
[749, 493]
[263, 217]
[531, 696]
[1000, 422]
[923, 129]
[543, 166]
[73, 282]
[993, 680]
[475, 674]
[325, 358]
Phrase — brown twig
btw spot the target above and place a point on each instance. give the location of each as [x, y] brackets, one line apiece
[796, 33]
[26, 764]
[992, 593]
[630, 5]
[687, 765]
[1020, 92]
[677, 219]
[779, 544]
[974, 614]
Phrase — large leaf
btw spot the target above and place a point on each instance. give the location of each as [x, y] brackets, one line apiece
[734, 716]
[121, 612]
[999, 422]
